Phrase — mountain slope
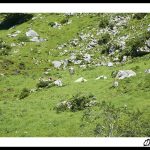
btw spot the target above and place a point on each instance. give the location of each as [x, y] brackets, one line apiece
[93, 44]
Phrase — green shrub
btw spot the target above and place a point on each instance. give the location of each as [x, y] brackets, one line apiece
[81, 101]
[133, 44]
[23, 39]
[107, 120]
[65, 20]
[51, 24]
[43, 84]
[104, 22]
[24, 93]
[104, 39]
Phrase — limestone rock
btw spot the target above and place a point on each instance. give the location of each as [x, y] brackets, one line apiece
[125, 74]
[147, 71]
[80, 80]
[101, 77]
[58, 82]
[57, 64]
[31, 33]
[110, 64]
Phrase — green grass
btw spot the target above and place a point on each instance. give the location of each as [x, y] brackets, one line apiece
[35, 115]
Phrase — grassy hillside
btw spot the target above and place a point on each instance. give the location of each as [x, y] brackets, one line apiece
[28, 109]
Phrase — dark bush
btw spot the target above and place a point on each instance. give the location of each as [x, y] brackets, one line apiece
[104, 39]
[133, 44]
[139, 16]
[80, 101]
[43, 84]
[51, 24]
[104, 49]
[24, 93]
[65, 20]
[104, 22]
[23, 39]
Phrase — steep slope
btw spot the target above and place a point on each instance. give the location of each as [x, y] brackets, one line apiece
[36, 52]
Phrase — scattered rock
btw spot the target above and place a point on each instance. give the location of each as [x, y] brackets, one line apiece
[101, 77]
[31, 33]
[71, 71]
[116, 84]
[57, 64]
[93, 43]
[143, 50]
[110, 64]
[125, 74]
[80, 80]
[124, 59]
[83, 66]
[33, 90]
[55, 25]
[75, 42]
[37, 39]
[2, 75]
[77, 62]
[58, 82]
[116, 59]
[147, 71]
[87, 58]
[148, 43]
[112, 50]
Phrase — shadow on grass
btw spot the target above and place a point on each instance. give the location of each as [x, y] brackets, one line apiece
[13, 19]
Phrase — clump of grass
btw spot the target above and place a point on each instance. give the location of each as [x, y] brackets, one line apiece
[24, 93]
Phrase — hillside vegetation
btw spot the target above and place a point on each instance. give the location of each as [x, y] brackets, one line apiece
[75, 75]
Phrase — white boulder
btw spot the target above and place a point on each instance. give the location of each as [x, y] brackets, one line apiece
[125, 74]
[80, 80]
[110, 64]
[57, 64]
[58, 82]
[31, 33]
